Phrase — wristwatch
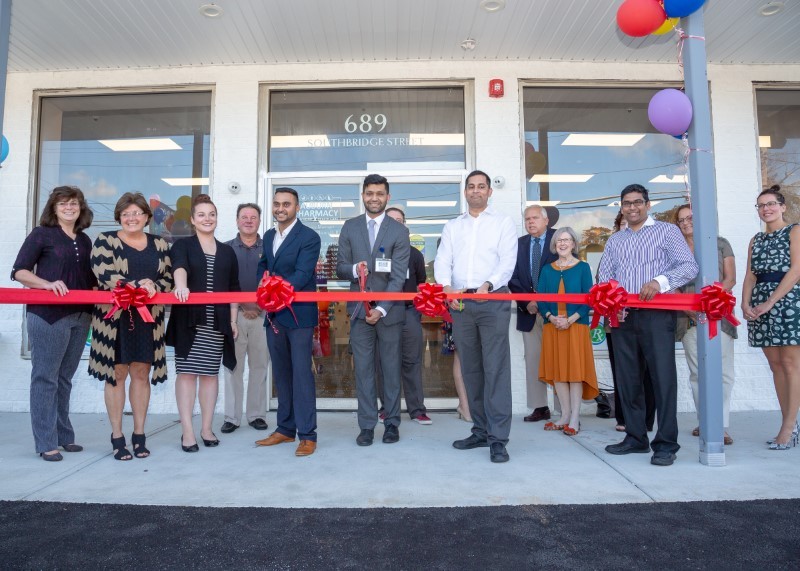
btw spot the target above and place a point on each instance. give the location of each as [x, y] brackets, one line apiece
[491, 287]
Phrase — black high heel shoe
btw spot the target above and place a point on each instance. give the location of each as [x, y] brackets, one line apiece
[210, 443]
[193, 448]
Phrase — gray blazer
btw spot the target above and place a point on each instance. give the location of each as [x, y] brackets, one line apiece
[354, 248]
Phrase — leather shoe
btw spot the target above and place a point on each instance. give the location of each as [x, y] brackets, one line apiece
[259, 424]
[541, 413]
[470, 442]
[305, 448]
[273, 439]
[391, 434]
[365, 437]
[228, 427]
[662, 459]
[498, 453]
[626, 448]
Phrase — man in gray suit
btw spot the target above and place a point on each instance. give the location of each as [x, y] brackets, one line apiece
[377, 247]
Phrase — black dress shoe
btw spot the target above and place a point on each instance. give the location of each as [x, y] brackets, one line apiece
[391, 434]
[365, 437]
[626, 448]
[498, 453]
[228, 427]
[663, 459]
[259, 424]
[470, 442]
[541, 413]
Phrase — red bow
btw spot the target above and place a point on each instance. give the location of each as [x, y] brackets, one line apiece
[607, 299]
[432, 301]
[275, 294]
[126, 296]
[717, 303]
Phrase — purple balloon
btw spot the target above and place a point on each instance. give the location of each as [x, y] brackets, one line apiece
[670, 111]
[681, 8]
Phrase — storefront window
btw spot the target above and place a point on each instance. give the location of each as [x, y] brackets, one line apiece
[367, 130]
[779, 141]
[155, 143]
[582, 146]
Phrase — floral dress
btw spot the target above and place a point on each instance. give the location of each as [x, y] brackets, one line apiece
[769, 259]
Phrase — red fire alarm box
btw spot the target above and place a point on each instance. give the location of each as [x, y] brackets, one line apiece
[496, 88]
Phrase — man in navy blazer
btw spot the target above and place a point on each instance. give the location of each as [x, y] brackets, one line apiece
[529, 322]
[291, 251]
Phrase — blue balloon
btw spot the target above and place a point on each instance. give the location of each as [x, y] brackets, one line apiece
[159, 215]
[4, 150]
[681, 8]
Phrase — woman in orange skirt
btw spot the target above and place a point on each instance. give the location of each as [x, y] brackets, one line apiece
[567, 361]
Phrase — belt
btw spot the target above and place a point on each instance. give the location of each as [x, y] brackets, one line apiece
[770, 277]
[471, 290]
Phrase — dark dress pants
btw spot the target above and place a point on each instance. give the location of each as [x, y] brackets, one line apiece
[413, 346]
[649, 397]
[480, 332]
[365, 339]
[290, 350]
[646, 339]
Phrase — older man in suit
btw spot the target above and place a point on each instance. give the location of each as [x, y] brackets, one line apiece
[533, 253]
[291, 251]
[374, 249]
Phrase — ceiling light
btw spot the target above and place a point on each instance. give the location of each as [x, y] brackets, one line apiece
[764, 141]
[211, 10]
[186, 181]
[410, 203]
[676, 179]
[771, 8]
[542, 202]
[468, 45]
[561, 177]
[493, 5]
[125, 145]
[602, 139]
[330, 222]
[425, 222]
[435, 139]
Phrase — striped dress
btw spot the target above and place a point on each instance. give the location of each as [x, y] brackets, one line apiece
[206, 353]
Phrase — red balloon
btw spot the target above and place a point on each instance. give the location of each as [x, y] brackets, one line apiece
[639, 18]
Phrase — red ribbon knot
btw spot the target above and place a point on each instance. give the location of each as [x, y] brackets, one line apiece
[126, 296]
[432, 301]
[607, 299]
[717, 303]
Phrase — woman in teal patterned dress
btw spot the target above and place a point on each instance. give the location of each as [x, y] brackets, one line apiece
[771, 305]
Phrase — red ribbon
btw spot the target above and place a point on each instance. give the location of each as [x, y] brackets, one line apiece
[275, 294]
[432, 301]
[126, 296]
[607, 299]
[717, 303]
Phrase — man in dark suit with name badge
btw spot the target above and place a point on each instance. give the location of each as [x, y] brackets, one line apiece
[291, 251]
[533, 253]
[376, 247]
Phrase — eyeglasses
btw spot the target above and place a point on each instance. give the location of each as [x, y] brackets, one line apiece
[564, 240]
[685, 219]
[68, 204]
[126, 215]
[629, 203]
[770, 204]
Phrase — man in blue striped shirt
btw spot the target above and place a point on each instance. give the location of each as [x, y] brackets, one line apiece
[648, 257]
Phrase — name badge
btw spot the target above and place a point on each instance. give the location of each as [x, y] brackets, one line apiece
[383, 265]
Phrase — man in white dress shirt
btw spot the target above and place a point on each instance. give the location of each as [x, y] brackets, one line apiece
[477, 254]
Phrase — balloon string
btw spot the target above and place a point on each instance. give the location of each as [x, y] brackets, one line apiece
[683, 36]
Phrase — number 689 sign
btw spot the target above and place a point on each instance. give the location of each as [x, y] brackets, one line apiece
[366, 123]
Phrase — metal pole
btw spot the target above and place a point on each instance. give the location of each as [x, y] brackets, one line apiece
[704, 210]
[5, 32]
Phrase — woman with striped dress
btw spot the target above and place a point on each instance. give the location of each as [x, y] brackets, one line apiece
[202, 335]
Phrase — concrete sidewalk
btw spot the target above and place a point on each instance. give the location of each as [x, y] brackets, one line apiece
[422, 470]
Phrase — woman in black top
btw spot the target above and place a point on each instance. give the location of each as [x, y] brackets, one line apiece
[125, 345]
[55, 257]
[202, 334]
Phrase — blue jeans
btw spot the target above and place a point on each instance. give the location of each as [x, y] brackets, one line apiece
[56, 351]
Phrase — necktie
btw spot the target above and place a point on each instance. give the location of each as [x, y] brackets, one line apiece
[371, 225]
[536, 260]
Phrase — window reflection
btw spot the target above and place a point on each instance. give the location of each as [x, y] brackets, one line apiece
[154, 143]
[584, 145]
[779, 142]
